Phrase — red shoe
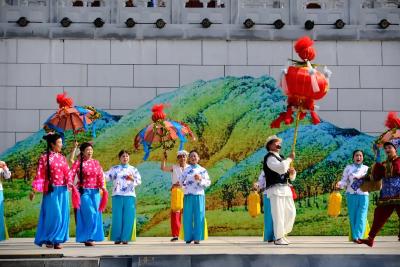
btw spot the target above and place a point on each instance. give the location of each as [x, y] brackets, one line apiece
[357, 241]
[89, 244]
[57, 246]
[369, 241]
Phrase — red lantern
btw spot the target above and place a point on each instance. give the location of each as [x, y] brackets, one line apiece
[303, 84]
[299, 83]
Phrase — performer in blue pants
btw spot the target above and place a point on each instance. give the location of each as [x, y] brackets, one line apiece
[124, 178]
[357, 200]
[194, 180]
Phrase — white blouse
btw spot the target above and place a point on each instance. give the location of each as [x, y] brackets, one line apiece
[190, 184]
[176, 173]
[350, 173]
[121, 185]
[6, 174]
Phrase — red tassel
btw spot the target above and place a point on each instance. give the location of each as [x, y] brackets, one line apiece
[64, 101]
[288, 116]
[158, 112]
[277, 122]
[104, 200]
[314, 117]
[304, 48]
[302, 115]
[76, 198]
[392, 121]
[294, 194]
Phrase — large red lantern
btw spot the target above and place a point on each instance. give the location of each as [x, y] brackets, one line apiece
[303, 84]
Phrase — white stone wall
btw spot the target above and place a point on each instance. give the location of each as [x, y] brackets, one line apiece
[119, 76]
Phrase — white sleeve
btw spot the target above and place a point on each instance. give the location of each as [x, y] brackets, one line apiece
[277, 166]
[108, 174]
[182, 178]
[345, 177]
[6, 173]
[261, 180]
[205, 181]
[293, 176]
[137, 178]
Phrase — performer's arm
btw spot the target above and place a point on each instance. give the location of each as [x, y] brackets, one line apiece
[6, 172]
[72, 155]
[204, 180]
[163, 164]
[261, 181]
[280, 167]
[292, 174]
[345, 178]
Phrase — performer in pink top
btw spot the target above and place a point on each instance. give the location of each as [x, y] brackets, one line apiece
[52, 180]
[89, 223]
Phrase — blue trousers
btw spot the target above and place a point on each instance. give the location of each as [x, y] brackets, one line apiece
[2, 221]
[53, 226]
[194, 213]
[123, 218]
[357, 206]
[89, 222]
[268, 223]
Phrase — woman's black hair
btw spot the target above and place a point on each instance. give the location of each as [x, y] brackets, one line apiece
[82, 148]
[50, 139]
[357, 150]
[194, 151]
[123, 151]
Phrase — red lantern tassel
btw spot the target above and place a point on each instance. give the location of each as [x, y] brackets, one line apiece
[104, 200]
[76, 198]
[314, 117]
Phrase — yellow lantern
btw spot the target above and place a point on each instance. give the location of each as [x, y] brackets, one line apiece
[176, 199]
[335, 203]
[253, 204]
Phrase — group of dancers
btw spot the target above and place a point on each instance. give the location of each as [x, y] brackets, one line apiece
[55, 179]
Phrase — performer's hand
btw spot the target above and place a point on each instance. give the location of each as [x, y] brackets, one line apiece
[337, 185]
[197, 177]
[292, 171]
[76, 144]
[292, 155]
[2, 164]
[32, 196]
[165, 155]
[129, 177]
[255, 187]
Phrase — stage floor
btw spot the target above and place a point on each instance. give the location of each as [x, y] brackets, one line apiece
[300, 245]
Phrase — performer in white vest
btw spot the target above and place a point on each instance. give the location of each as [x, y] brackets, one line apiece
[278, 174]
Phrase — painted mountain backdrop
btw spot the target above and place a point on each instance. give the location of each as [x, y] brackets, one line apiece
[230, 117]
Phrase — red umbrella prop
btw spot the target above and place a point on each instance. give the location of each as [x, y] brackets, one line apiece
[69, 117]
[303, 84]
[162, 132]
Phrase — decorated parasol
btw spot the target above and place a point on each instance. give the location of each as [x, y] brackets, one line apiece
[70, 117]
[162, 132]
[303, 84]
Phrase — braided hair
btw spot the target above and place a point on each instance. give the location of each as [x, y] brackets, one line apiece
[82, 148]
[50, 139]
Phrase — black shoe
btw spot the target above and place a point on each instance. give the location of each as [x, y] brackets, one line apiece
[188, 242]
[196, 242]
[174, 239]
[117, 242]
[125, 242]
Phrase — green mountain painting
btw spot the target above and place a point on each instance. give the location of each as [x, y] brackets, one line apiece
[230, 118]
